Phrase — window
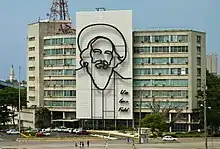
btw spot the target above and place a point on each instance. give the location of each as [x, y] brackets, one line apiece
[71, 93]
[179, 60]
[53, 82]
[137, 83]
[160, 71]
[198, 71]
[53, 62]
[69, 41]
[57, 41]
[144, 71]
[164, 104]
[179, 49]
[142, 61]
[198, 49]
[199, 84]
[31, 38]
[69, 82]
[47, 42]
[69, 62]
[31, 68]
[31, 88]
[52, 52]
[69, 104]
[145, 93]
[31, 48]
[179, 71]
[31, 58]
[31, 98]
[164, 49]
[169, 93]
[141, 39]
[31, 78]
[160, 82]
[160, 60]
[198, 39]
[179, 82]
[179, 38]
[160, 38]
[141, 50]
[69, 51]
[198, 61]
[69, 72]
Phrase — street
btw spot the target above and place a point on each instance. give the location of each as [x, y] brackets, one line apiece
[195, 143]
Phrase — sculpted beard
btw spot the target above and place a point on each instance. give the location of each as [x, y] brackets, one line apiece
[101, 64]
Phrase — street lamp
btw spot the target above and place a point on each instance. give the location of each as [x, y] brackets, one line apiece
[19, 100]
[205, 117]
[140, 106]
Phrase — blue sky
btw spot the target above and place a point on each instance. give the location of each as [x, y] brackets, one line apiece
[200, 15]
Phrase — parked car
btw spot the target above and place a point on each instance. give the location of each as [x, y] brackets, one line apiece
[42, 134]
[83, 132]
[169, 138]
[12, 132]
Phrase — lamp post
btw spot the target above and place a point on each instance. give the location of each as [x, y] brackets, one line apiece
[19, 100]
[140, 107]
[205, 117]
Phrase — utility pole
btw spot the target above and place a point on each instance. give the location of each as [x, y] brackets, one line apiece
[205, 117]
[140, 107]
[19, 99]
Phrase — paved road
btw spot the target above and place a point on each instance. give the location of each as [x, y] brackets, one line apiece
[197, 144]
[7, 141]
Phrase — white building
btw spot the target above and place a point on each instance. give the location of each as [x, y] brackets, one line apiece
[212, 63]
[59, 78]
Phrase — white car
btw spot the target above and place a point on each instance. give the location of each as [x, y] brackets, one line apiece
[12, 132]
[46, 133]
[169, 138]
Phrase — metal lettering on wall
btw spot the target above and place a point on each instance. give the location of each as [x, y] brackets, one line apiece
[123, 101]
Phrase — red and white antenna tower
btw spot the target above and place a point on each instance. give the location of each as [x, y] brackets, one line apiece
[59, 10]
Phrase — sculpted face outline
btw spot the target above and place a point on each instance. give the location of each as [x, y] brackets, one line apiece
[101, 57]
[101, 63]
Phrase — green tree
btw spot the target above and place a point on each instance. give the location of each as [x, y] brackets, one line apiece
[212, 96]
[154, 121]
[9, 103]
[42, 117]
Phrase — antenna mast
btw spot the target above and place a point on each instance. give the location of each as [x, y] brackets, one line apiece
[59, 10]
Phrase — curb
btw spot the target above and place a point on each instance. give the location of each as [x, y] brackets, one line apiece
[52, 140]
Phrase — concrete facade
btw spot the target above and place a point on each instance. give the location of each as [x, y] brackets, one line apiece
[212, 63]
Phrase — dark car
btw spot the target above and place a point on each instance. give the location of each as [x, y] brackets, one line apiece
[83, 132]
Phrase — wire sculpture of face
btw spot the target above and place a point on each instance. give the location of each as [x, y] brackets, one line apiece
[101, 53]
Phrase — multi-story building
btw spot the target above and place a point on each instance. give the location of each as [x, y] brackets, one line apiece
[35, 62]
[212, 63]
[169, 67]
[35, 56]
[59, 78]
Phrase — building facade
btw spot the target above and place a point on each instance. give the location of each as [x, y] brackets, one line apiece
[212, 63]
[169, 67]
[60, 78]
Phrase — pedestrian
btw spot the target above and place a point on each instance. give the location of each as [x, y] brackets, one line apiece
[76, 145]
[88, 143]
[82, 144]
[128, 140]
